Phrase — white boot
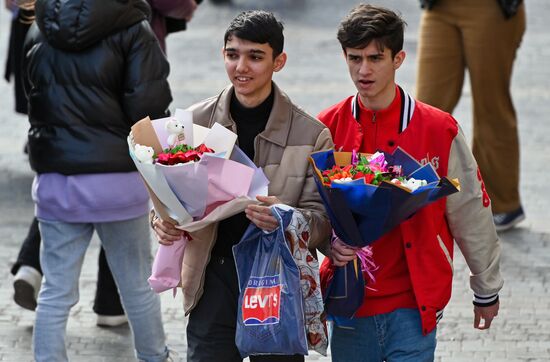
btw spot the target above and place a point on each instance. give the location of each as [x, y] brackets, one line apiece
[26, 285]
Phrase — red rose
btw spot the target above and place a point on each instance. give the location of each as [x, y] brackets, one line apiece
[192, 155]
[358, 175]
[178, 157]
[203, 149]
[163, 158]
[369, 177]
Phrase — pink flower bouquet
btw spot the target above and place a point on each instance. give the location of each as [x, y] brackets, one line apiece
[195, 176]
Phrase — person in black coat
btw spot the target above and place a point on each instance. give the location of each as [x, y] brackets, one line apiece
[93, 68]
[27, 270]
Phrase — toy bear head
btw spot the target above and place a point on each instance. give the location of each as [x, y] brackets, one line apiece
[173, 126]
[144, 154]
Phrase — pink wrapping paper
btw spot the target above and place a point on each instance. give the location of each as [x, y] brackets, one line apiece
[166, 271]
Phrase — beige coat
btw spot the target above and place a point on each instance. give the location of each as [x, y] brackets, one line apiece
[282, 151]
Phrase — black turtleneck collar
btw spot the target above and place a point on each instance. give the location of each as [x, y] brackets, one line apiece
[250, 121]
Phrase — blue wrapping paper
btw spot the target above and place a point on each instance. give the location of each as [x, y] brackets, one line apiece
[361, 213]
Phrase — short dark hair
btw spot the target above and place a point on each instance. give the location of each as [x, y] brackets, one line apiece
[257, 26]
[366, 23]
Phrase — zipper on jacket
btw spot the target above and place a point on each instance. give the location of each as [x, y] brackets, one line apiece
[373, 120]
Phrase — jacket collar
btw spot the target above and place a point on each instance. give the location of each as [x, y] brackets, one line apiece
[407, 104]
[278, 125]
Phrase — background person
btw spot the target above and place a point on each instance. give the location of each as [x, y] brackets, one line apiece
[169, 16]
[94, 68]
[26, 270]
[481, 36]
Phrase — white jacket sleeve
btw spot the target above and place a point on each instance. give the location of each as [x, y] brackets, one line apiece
[472, 225]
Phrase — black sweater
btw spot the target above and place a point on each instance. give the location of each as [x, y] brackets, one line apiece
[250, 122]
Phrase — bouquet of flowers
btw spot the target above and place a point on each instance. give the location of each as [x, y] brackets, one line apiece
[366, 196]
[195, 176]
[373, 169]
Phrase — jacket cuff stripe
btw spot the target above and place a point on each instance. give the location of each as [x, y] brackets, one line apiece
[485, 300]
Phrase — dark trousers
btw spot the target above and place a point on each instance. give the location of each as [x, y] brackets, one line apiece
[107, 300]
[14, 63]
[29, 254]
[212, 323]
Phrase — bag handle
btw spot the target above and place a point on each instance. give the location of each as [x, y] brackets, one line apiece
[283, 214]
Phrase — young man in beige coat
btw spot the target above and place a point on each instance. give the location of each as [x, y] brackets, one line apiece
[278, 136]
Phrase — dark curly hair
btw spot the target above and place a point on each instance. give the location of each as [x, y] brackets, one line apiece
[366, 23]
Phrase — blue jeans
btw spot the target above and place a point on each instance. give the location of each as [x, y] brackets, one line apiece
[127, 247]
[392, 337]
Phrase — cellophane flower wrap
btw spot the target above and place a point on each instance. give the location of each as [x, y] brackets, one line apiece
[362, 209]
[195, 176]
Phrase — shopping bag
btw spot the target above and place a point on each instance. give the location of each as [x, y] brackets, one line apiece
[270, 317]
[297, 235]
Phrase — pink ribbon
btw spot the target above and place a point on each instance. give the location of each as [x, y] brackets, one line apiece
[368, 266]
[367, 262]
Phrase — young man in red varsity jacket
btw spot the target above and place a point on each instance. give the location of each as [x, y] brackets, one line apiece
[412, 285]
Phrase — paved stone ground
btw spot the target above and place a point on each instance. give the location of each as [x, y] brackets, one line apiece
[315, 77]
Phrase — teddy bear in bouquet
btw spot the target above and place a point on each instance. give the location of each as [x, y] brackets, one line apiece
[175, 131]
[144, 154]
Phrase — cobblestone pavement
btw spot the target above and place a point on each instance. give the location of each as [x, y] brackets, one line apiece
[315, 77]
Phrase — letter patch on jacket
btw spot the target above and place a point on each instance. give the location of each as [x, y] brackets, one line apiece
[261, 301]
[486, 199]
[433, 160]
